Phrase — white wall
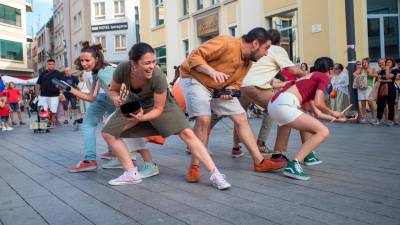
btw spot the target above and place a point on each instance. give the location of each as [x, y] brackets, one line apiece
[111, 55]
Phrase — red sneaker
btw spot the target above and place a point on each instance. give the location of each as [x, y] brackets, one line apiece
[269, 165]
[108, 155]
[193, 175]
[83, 166]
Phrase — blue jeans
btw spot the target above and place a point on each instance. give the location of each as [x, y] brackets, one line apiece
[94, 113]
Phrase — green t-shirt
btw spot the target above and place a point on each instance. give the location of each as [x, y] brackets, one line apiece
[145, 95]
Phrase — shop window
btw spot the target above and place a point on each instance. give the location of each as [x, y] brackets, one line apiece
[11, 50]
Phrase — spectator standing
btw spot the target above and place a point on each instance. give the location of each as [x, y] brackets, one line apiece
[387, 92]
[48, 93]
[304, 67]
[14, 99]
[340, 88]
[83, 86]
[73, 81]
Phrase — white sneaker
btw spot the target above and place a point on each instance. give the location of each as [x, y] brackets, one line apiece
[4, 129]
[128, 177]
[9, 128]
[218, 181]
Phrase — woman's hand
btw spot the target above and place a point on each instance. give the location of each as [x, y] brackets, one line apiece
[117, 101]
[337, 114]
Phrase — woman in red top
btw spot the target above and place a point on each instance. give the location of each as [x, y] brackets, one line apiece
[14, 99]
[285, 109]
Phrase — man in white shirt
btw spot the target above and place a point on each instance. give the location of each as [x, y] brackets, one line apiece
[257, 87]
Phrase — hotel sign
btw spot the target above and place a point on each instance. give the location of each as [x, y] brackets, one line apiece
[110, 27]
[207, 25]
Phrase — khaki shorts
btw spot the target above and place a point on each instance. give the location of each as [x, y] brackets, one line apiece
[199, 101]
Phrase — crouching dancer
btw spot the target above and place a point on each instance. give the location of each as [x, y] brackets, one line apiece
[158, 115]
[285, 106]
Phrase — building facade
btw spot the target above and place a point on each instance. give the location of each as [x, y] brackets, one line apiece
[45, 45]
[114, 25]
[309, 28]
[13, 38]
[58, 34]
[76, 27]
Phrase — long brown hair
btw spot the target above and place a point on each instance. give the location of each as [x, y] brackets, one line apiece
[96, 51]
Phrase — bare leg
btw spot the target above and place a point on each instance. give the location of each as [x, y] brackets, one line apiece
[11, 115]
[282, 139]
[19, 116]
[372, 107]
[197, 148]
[146, 155]
[120, 150]
[201, 130]
[246, 136]
[363, 109]
[319, 133]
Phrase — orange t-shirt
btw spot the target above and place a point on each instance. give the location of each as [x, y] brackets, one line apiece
[223, 54]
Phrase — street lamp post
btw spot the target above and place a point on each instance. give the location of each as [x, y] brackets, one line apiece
[351, 51]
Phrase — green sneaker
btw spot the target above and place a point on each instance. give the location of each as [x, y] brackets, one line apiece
[311, 159]
[148, 170]
[295, 171]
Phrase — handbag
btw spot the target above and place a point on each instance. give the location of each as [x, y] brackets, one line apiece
[383, 90]
[374, 92]
[360, 82]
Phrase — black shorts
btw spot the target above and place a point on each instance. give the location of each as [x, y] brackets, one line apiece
[4, 119]
[72, 100]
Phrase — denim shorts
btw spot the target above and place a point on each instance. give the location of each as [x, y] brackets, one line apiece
[14, 106]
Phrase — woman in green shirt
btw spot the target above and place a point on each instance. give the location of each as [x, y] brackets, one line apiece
[159, 114]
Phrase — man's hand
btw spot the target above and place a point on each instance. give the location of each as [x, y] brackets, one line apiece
[136, 117]
[219, 77]
[227, 97]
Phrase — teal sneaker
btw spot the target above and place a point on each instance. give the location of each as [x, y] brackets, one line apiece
[148, 170]
[295, 171]
[311, 159]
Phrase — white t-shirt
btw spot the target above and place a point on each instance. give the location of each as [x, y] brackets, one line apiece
[266, 68]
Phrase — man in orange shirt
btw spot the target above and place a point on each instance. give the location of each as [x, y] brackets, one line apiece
[222, 63]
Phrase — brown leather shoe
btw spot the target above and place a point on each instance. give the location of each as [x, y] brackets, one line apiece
[193, 175]
[269, 165]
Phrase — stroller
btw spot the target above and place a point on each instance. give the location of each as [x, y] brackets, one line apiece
[40, 123]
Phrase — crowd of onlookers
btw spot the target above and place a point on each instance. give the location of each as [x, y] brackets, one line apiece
[377, 90]
[14, 100]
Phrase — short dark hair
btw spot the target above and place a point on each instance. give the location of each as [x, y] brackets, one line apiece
[51, 60]
[323, 64]
[259, 34]
[398, 60]
[339, 66]
[96, 51]
[138, 50]
[275, 36]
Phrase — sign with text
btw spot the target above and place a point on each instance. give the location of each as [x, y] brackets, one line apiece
[207, 25]
[110, 27]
